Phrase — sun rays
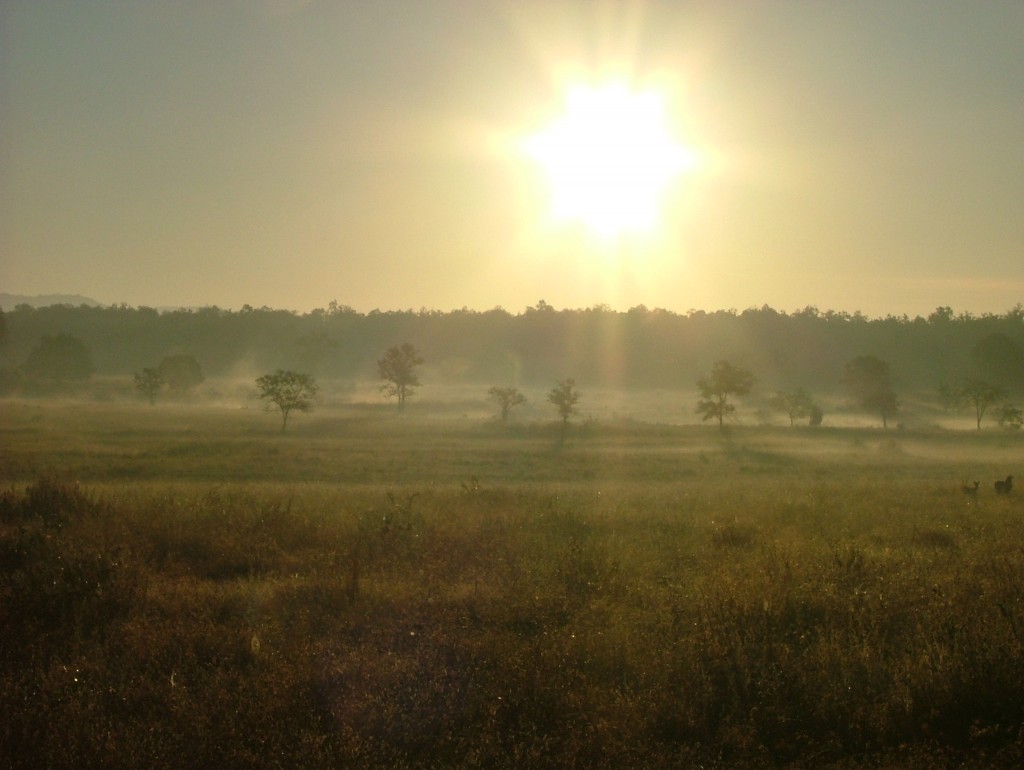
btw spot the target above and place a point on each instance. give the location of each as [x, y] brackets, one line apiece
[609, 159]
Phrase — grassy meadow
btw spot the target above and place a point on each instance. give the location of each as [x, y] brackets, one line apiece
[187, 586]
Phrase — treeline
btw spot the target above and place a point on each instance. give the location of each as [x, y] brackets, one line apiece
[638, 348]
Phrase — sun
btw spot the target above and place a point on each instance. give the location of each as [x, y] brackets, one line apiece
[609, 159]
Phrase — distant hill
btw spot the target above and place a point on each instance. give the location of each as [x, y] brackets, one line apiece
[11, 301]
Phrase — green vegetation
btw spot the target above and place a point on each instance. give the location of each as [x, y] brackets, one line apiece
[180, 372]
[725, 380]
[1010, 416]
[398, 370]
[531, 347]
[184, 587]
[797, 405]
[564, 398]
[288, 392]
[869, 381]
[58, 359]
[149, 382]
[976, 395]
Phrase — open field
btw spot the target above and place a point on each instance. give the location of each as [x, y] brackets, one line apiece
[189, 587]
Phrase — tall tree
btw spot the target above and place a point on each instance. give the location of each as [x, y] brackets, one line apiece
[398, 368]
[725, 380]
[288, 391]
[869, 381]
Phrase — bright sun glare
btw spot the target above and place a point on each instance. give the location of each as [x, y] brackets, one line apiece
[609, 159]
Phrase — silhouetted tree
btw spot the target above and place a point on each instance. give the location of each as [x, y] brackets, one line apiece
[507, 398]
[816, 416]
[868, 380]
[148, 382]
[181, 372]
[288, 391]
[1010, 416]
[59, 358]
[398, 367]
[974, 394]
[795, 404]
[725, 380]
[564, 396]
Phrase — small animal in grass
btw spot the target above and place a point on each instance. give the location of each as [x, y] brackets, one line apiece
[971, 491]
[1004, 487]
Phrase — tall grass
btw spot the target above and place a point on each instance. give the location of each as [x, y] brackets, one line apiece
[668, 600]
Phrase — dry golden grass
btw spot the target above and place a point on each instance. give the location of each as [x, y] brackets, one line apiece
[191, 588]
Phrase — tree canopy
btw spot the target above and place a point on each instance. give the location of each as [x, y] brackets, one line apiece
[796, 404]
[181, 372]
[398, 368]
[507, 398]
[148, 382]
[725, 380]
[999, 360]
[653, 348]
[974, 394]
[288, 391]
[564, 397]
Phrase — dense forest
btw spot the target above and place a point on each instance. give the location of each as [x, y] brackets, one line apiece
[598, 347]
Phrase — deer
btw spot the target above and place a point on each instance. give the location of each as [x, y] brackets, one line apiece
[971, 491]
[1004, 487]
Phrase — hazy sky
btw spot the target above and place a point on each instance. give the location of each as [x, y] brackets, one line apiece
[852, 155]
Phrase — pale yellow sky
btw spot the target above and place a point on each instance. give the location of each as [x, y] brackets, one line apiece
[865, 156]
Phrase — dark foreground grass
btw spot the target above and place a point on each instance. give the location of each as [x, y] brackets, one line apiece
[742, 620]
